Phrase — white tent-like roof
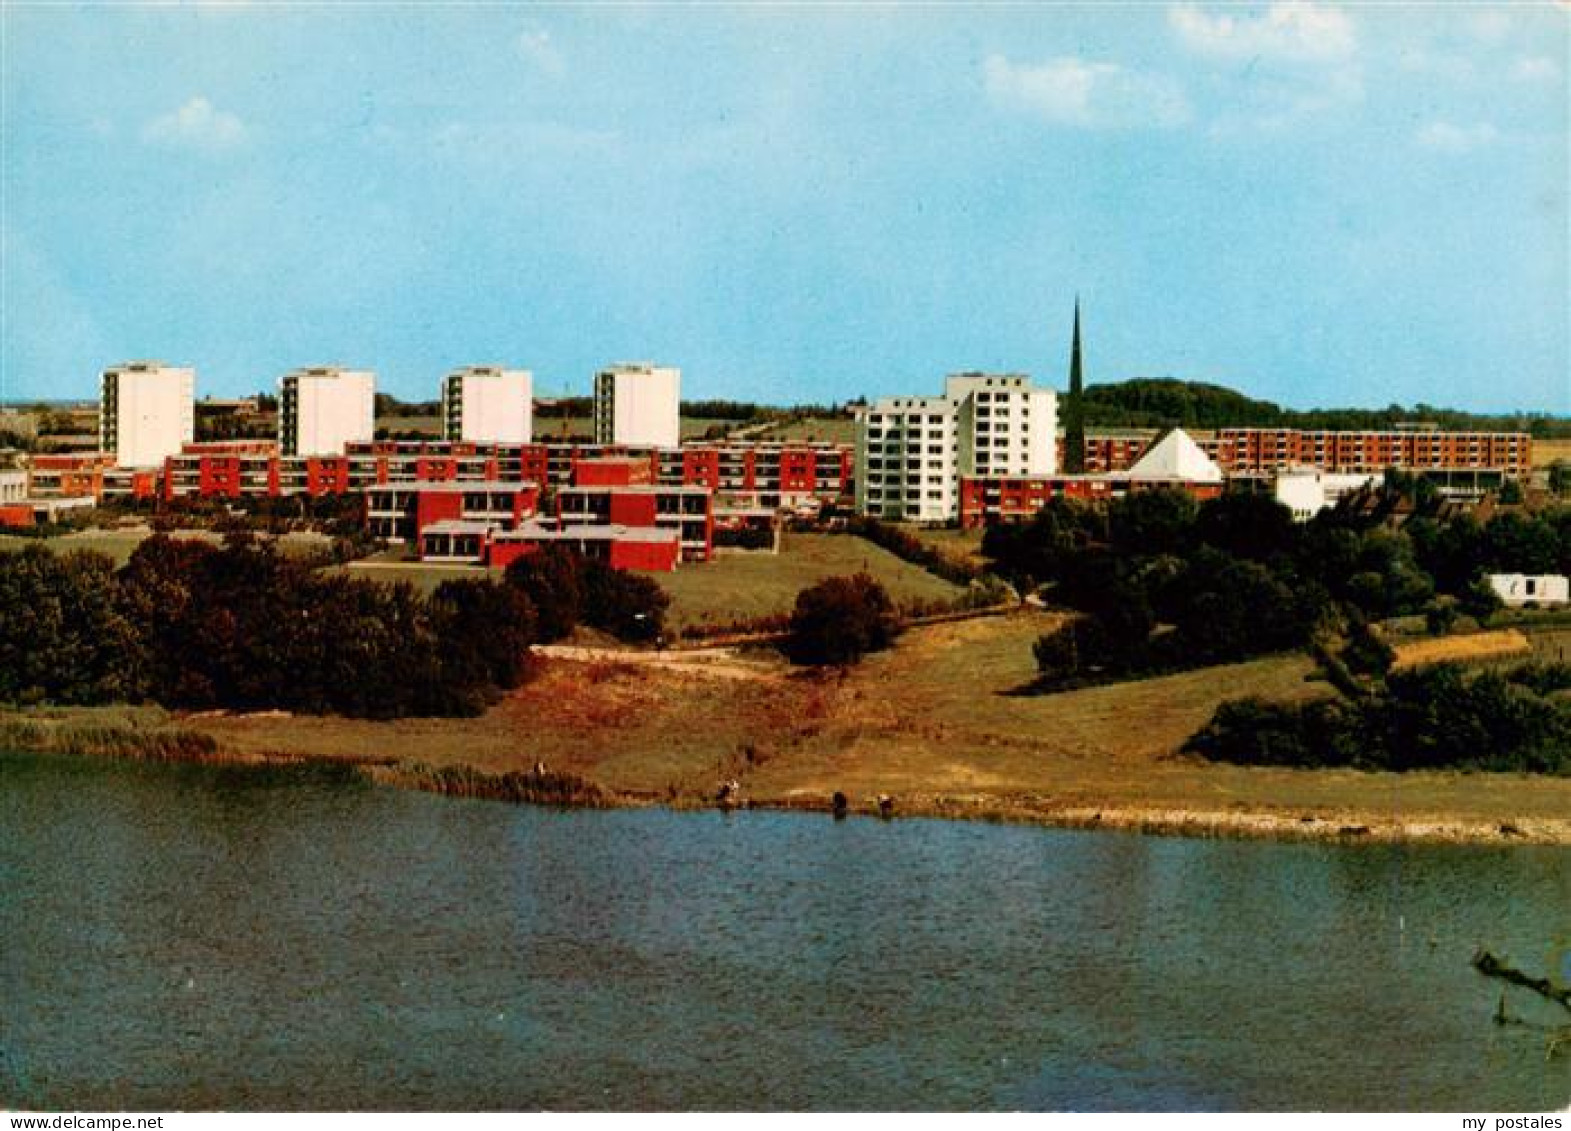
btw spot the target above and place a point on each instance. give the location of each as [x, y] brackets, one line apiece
[1178, 458]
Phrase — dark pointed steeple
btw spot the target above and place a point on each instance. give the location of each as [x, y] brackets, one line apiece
[1074, 408]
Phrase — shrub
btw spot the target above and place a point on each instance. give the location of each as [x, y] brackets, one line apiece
[840, 620]
[630, 606]
[552, 579]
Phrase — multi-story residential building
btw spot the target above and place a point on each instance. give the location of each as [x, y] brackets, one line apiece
[145, 412]
[488, 405]
[322, 409]
[912, 452]
[638, 404]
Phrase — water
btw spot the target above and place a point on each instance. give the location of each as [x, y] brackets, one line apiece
[192, 937]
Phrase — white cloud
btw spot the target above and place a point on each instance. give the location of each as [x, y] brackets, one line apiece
[1293, 30]
[536, 46]
[1490, 26]
[1447, 137]
[196, 125]
[1077, 92]
[1535, 68]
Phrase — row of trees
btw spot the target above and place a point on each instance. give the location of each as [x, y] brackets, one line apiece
[192, 625]
[1163, 402]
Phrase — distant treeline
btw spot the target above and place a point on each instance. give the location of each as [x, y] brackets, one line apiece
[1157, 403]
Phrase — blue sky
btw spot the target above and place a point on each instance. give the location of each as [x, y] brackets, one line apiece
[1316, 204]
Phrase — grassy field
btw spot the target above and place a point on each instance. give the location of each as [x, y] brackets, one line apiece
[745, 586]
[933, 724]
[832, 429]
[732, 588]
[1545, 452]
[963, 544]
[119, 544]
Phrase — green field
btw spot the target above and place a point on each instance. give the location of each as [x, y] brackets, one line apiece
[831, 429]
[964, 545]
[745, 586]
[734, 588]
[119, 544]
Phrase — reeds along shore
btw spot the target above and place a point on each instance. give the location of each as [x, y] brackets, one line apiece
[539, 786]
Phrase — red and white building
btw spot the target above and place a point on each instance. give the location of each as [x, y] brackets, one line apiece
[1176, 462]
[403, 512]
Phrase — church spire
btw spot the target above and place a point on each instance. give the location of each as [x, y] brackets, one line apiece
[1074, 409]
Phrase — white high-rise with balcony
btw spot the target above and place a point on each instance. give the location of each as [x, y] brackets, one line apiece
[639, 405]
[146, 411]
[324, 408]
[485, 404]
[911, 452]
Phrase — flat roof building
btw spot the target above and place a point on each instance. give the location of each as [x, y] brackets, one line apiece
[485, 404]
[322, 409]
[145, 412]
[638, 404]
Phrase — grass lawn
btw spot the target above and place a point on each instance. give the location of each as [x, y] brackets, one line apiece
[746, 586]
[1545, 452]
[119, 544]
[963, 544]
[829, 429]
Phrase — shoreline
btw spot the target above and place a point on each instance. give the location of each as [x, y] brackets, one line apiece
[179, 744]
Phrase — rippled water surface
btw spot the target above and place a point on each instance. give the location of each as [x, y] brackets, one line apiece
[197, 937]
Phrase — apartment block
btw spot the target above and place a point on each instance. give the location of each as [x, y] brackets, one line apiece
[488, 405]
[912, 452]
[146, 410]
[320, 410]
[638, 404]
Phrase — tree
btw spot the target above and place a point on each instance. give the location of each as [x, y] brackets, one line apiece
[486, 628]
[552, 580]
[63, 635]
[1247, 524]
[840, 620]
[1152, 522]
[630, 606]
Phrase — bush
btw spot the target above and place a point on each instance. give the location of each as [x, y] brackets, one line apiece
[552, 579]
[1432, 718]
[840, 620]
[630, 606]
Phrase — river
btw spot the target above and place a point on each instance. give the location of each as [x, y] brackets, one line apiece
[207, 937]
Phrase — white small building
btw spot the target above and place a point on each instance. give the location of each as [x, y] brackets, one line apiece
[1306, 491]
[146, 412]
[322, 409]
[485, 404]
[13, 485]
[638, 404]
[1517, 590]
